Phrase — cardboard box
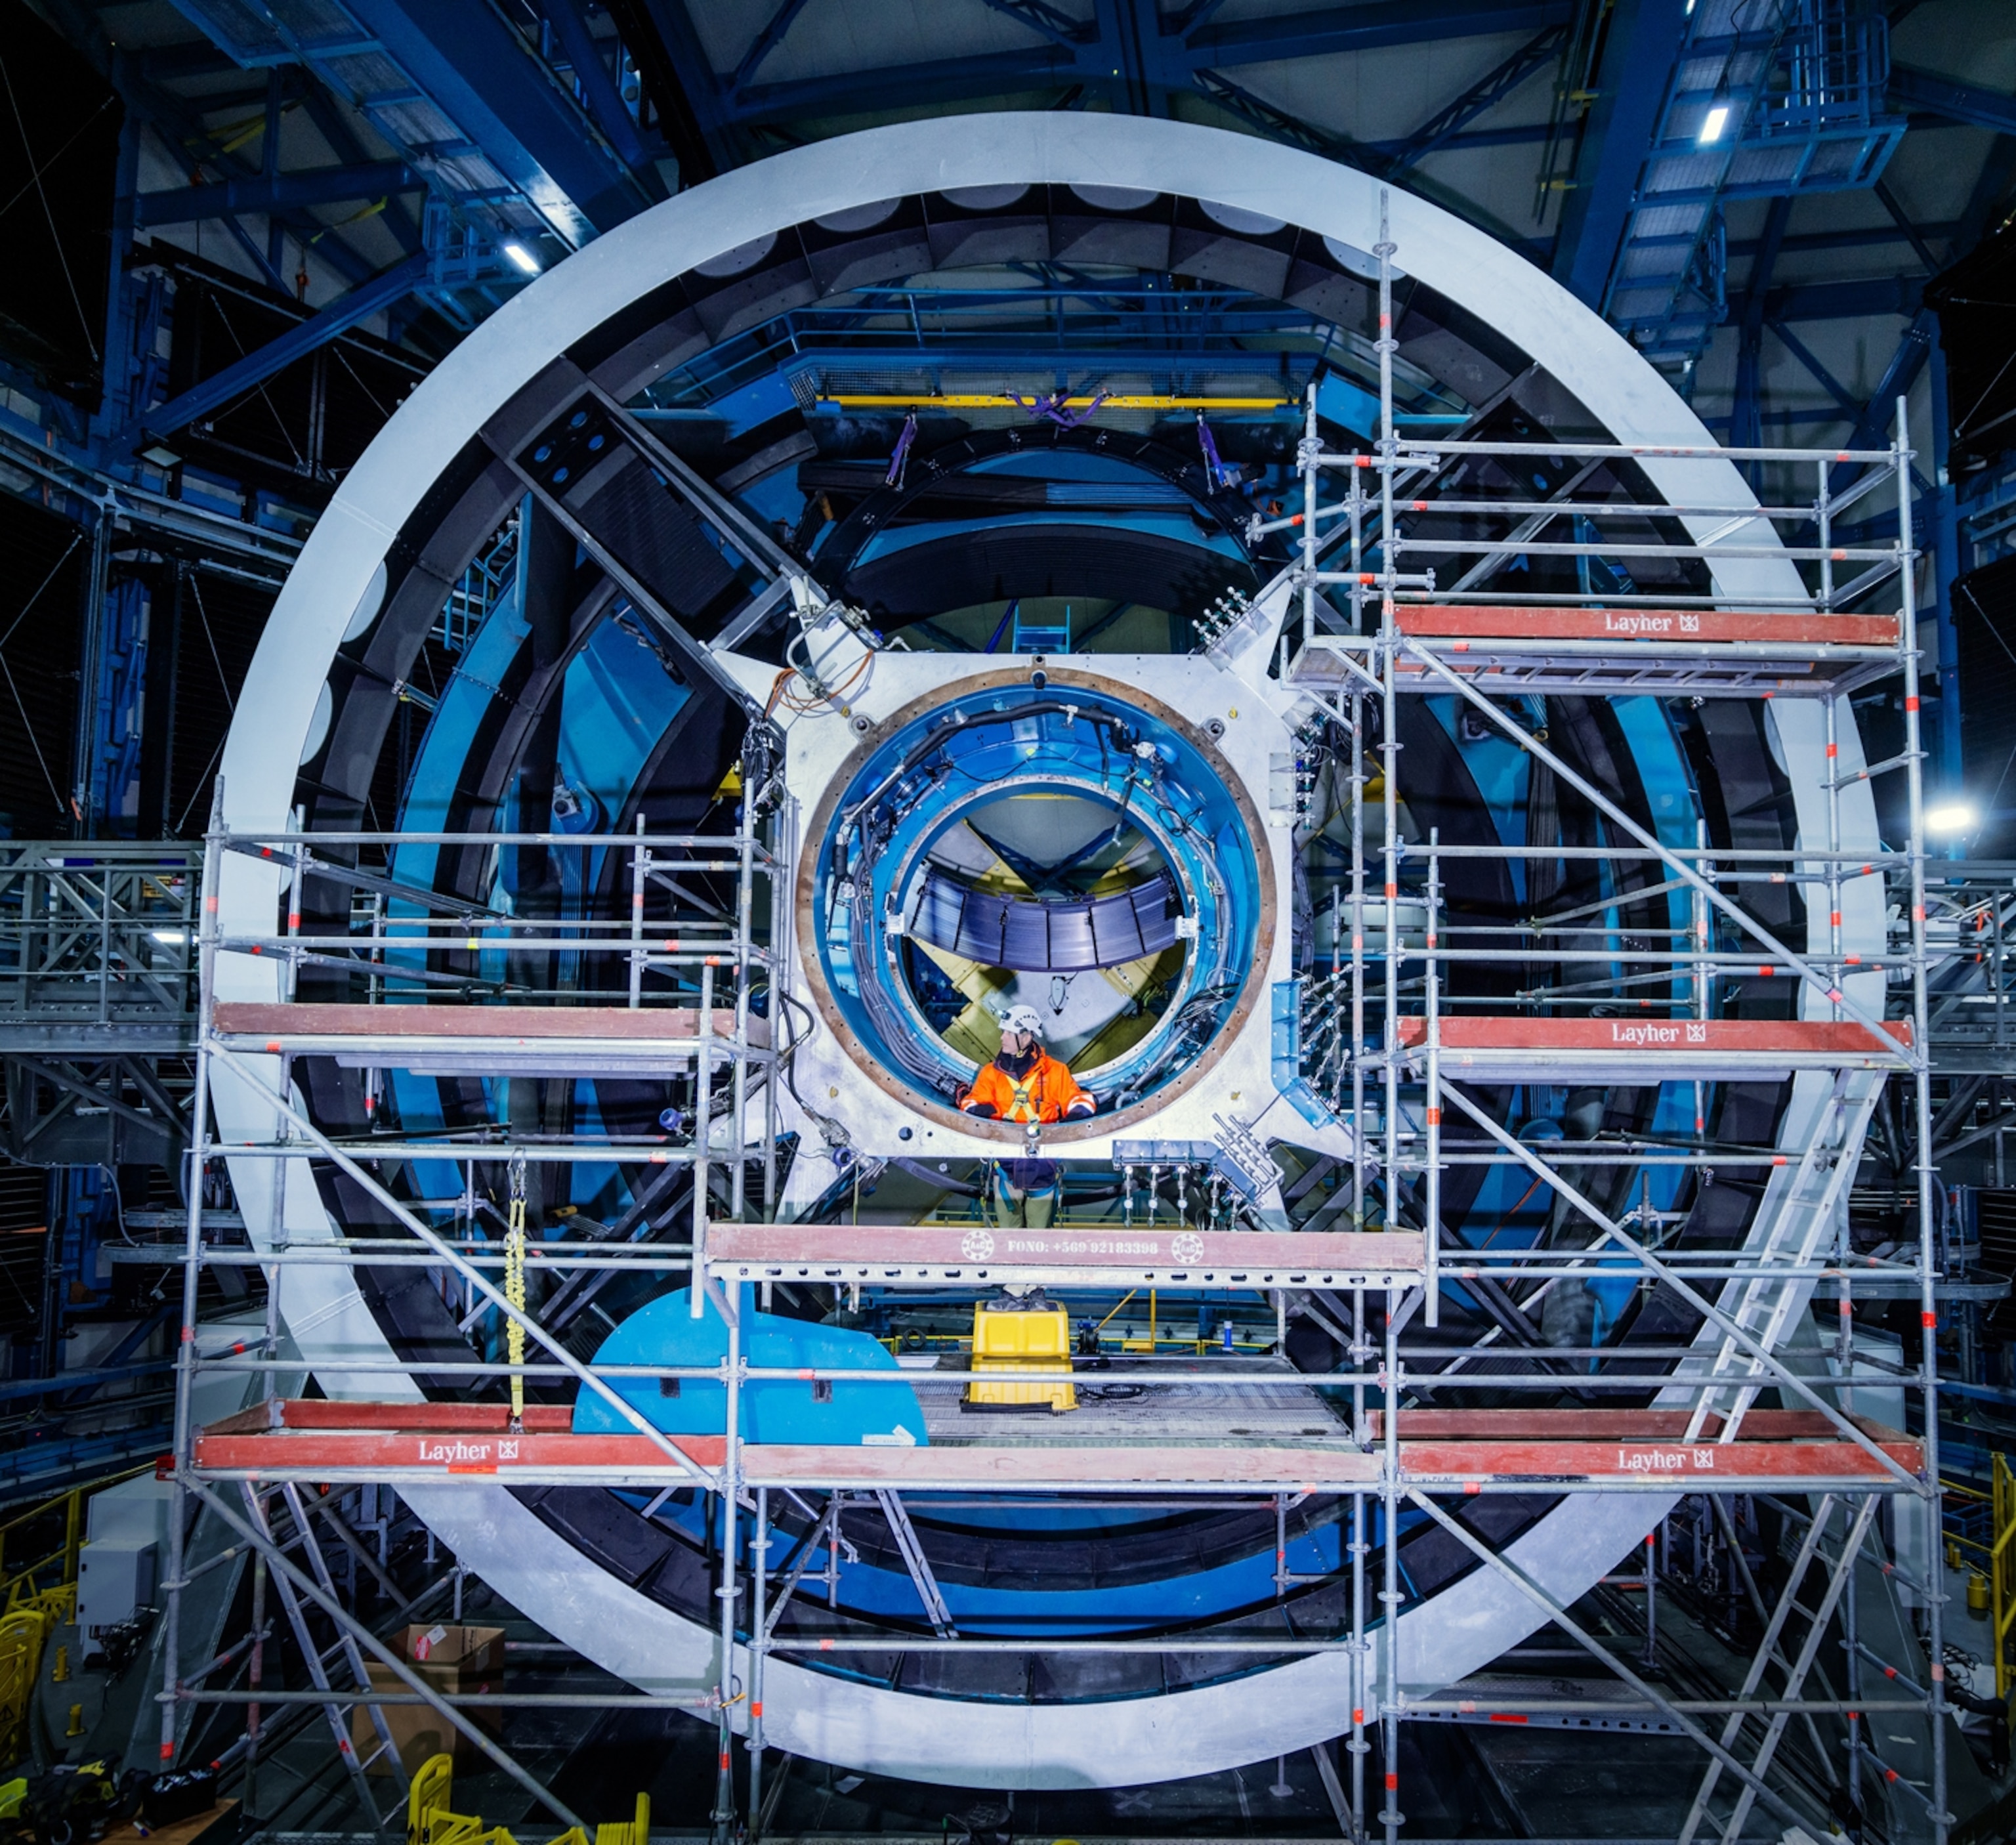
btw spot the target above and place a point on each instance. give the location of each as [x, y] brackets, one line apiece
[451, 1659]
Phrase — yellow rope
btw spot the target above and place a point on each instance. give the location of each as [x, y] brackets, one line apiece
[514, 1292]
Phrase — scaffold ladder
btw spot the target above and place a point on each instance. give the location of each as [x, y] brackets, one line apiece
[338, 1708]
[1803, 1219]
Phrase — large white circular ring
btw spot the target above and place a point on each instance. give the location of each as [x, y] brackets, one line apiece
[1120, 1743]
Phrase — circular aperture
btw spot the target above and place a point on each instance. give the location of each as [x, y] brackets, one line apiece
[1052, 846]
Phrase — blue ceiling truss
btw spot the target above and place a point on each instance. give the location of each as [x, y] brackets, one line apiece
[503, 136]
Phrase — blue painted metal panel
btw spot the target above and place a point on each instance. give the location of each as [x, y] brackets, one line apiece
[1286, 1045]
[854, 1413]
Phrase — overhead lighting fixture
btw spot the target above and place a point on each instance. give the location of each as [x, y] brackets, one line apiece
[530, 264]
[174, 937]
[1951, 817]
[1713, 124]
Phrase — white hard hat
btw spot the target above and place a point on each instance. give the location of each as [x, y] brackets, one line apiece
[1023, 1019]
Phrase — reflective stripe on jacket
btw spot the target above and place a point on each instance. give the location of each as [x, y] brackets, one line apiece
[1048, 1093]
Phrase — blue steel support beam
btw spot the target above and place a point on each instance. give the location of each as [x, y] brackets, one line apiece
[1641, 40]
[1331, 30]
[1040, 17]
[1747, 419]
[1151, 62]
[178, 125]
[1862, 237]
[480, 73]
[1878, 423]
[1283, 126]
[270, 193]
[685, 82]
[1486, 93]
[344, 143]
[118, 359]
[1924, 90]
[269, 168]
[1130, 33]
[773, 35]
[190, 141]
[893, 87]
[1910, 232]
[1901, 295]
[263, 362]
[599, 95]
[1820, 374]
[1391, 159]
[1997, 171]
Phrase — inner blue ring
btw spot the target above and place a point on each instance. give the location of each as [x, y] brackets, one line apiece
[922, 781]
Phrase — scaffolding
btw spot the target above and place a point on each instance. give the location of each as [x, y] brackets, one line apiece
[1622, 1001]
[1393, 1039]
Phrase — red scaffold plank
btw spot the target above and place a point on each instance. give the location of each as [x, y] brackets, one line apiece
[384, 1453]
[1612, 1425]
[1540, 1446]
[1424, 1463]
[1643, 626]
[512, 1024]
[1232, 1257]
[1467, 1449]
[1634, 1037]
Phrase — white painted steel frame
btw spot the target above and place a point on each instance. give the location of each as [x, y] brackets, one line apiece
[1106, 1744]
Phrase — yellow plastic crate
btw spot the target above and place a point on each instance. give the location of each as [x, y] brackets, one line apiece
[1039, 1342]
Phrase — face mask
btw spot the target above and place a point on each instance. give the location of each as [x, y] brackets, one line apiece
[1022, 1065]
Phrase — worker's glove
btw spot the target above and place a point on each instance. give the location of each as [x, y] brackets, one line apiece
[986, 1109]
[1083, 1106]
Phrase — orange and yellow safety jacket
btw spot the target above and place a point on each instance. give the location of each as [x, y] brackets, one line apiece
[1046, 1091]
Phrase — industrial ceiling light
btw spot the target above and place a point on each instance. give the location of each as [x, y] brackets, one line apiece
[1713, 122]
[1950, 817]
[523, 258]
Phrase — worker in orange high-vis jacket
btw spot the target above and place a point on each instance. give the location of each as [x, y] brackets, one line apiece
[1025, 1084]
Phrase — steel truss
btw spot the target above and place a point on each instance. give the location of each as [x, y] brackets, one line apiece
[693, 972]
[97, 999]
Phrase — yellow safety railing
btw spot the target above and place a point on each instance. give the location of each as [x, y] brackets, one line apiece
[2002, 1565]
[26, 1624]
[13, 1575]
[430, 1820]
